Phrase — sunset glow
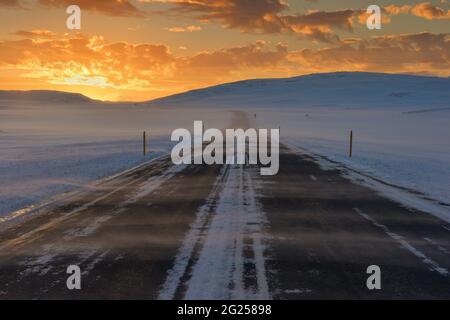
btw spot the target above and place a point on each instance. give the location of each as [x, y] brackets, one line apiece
[140, 50]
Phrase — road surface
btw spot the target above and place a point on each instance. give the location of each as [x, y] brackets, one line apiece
[225, 232]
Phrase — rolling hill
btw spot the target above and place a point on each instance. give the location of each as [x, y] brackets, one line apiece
[332, 89]
[44, 96]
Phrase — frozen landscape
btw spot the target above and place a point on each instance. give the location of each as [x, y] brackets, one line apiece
[163, 231]
[54, 142]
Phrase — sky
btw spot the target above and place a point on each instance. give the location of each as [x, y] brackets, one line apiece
[137, 50]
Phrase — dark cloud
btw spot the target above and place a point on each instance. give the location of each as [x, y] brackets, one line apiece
[421, 52]
[266, 16]
[246, 15]
[109, 7]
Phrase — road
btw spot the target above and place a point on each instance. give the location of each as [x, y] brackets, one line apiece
[225, 232]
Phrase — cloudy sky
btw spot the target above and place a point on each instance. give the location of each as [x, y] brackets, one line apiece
[143, 49]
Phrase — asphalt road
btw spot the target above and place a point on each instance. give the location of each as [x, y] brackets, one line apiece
[225, 232]
[325, 231]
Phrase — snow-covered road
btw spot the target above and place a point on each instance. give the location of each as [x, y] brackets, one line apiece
[162, 231]
[223, 255]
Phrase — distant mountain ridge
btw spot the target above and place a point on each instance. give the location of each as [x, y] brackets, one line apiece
[344, 89]
[45, 96]
[327, 89]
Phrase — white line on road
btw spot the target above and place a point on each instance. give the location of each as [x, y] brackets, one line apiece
[313, 178]
[405, 244]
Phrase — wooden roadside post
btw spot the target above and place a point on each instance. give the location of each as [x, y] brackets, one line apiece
[350, 153]
[144, 143]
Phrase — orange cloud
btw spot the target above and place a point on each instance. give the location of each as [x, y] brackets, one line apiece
[424, 10]
[35, 33]
[428, 11]
[93, 65]
[413, 53]
[184, 29]
[226, 62]
[396, 10]
[318, 25]
[147, 68]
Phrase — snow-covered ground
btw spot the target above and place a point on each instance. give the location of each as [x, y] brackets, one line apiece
[54, 146]
[401, 123]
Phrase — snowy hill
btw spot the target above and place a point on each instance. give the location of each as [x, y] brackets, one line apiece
[332, 89]
[44, 96]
